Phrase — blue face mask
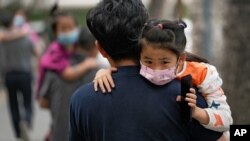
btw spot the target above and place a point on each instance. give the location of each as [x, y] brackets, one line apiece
[19, 21]
[67, 39]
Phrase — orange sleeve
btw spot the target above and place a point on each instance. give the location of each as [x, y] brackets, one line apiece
[197, 70]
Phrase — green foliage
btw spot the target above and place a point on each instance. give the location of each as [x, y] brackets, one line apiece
[43, 15]
[80, 15]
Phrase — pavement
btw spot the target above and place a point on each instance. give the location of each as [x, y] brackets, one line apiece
[41, 122]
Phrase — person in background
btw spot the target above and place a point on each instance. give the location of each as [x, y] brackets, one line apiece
[56, 57]
[87, 49]
[87, 46]
[61, 69]
[17, 71]
[21, 22]
[10, 35]
[22, 28]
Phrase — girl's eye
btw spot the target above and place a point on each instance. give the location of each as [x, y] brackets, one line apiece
[165, 62]
[148, 62]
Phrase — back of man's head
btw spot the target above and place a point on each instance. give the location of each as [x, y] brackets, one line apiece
[117, 24]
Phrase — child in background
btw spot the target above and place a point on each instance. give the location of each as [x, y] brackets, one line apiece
[163, 58]
[15, 33]
[86, 44]
[56, 57]
[61, 71]
[86, 49]
[22, 28]
[20, 22]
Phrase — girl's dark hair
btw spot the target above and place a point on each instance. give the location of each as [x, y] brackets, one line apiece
[195, 58]
[168, 35]
[56, 15]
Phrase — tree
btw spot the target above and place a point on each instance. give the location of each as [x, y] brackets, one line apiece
[156, 8]
[202, 25]
[236, 59]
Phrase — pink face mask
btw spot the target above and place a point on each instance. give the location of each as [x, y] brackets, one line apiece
[158, 77]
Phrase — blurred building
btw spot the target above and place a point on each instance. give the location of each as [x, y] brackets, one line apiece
[45, 4]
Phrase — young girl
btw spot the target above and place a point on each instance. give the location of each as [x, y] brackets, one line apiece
[163, 59]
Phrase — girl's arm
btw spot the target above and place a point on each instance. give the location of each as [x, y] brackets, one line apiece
[201, 114]
[72, 73]
[218, 110]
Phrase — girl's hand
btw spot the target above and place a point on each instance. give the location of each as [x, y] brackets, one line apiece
[197, 112]
[191, 98]
[104, 79]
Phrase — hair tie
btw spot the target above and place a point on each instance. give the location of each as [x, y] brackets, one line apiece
[160, 26]
[182, 24]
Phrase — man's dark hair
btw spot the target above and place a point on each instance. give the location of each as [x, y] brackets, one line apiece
[117, 24]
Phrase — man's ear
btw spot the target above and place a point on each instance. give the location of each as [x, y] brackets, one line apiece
[102, 51]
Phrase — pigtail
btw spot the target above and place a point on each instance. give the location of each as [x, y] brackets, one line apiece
[181, 24]
[195, 58]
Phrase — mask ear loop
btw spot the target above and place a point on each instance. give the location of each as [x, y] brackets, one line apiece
[177, 65]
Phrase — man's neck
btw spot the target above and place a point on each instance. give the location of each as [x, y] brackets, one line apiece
[122, 63]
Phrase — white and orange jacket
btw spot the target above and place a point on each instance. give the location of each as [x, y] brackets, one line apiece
[207, 80]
